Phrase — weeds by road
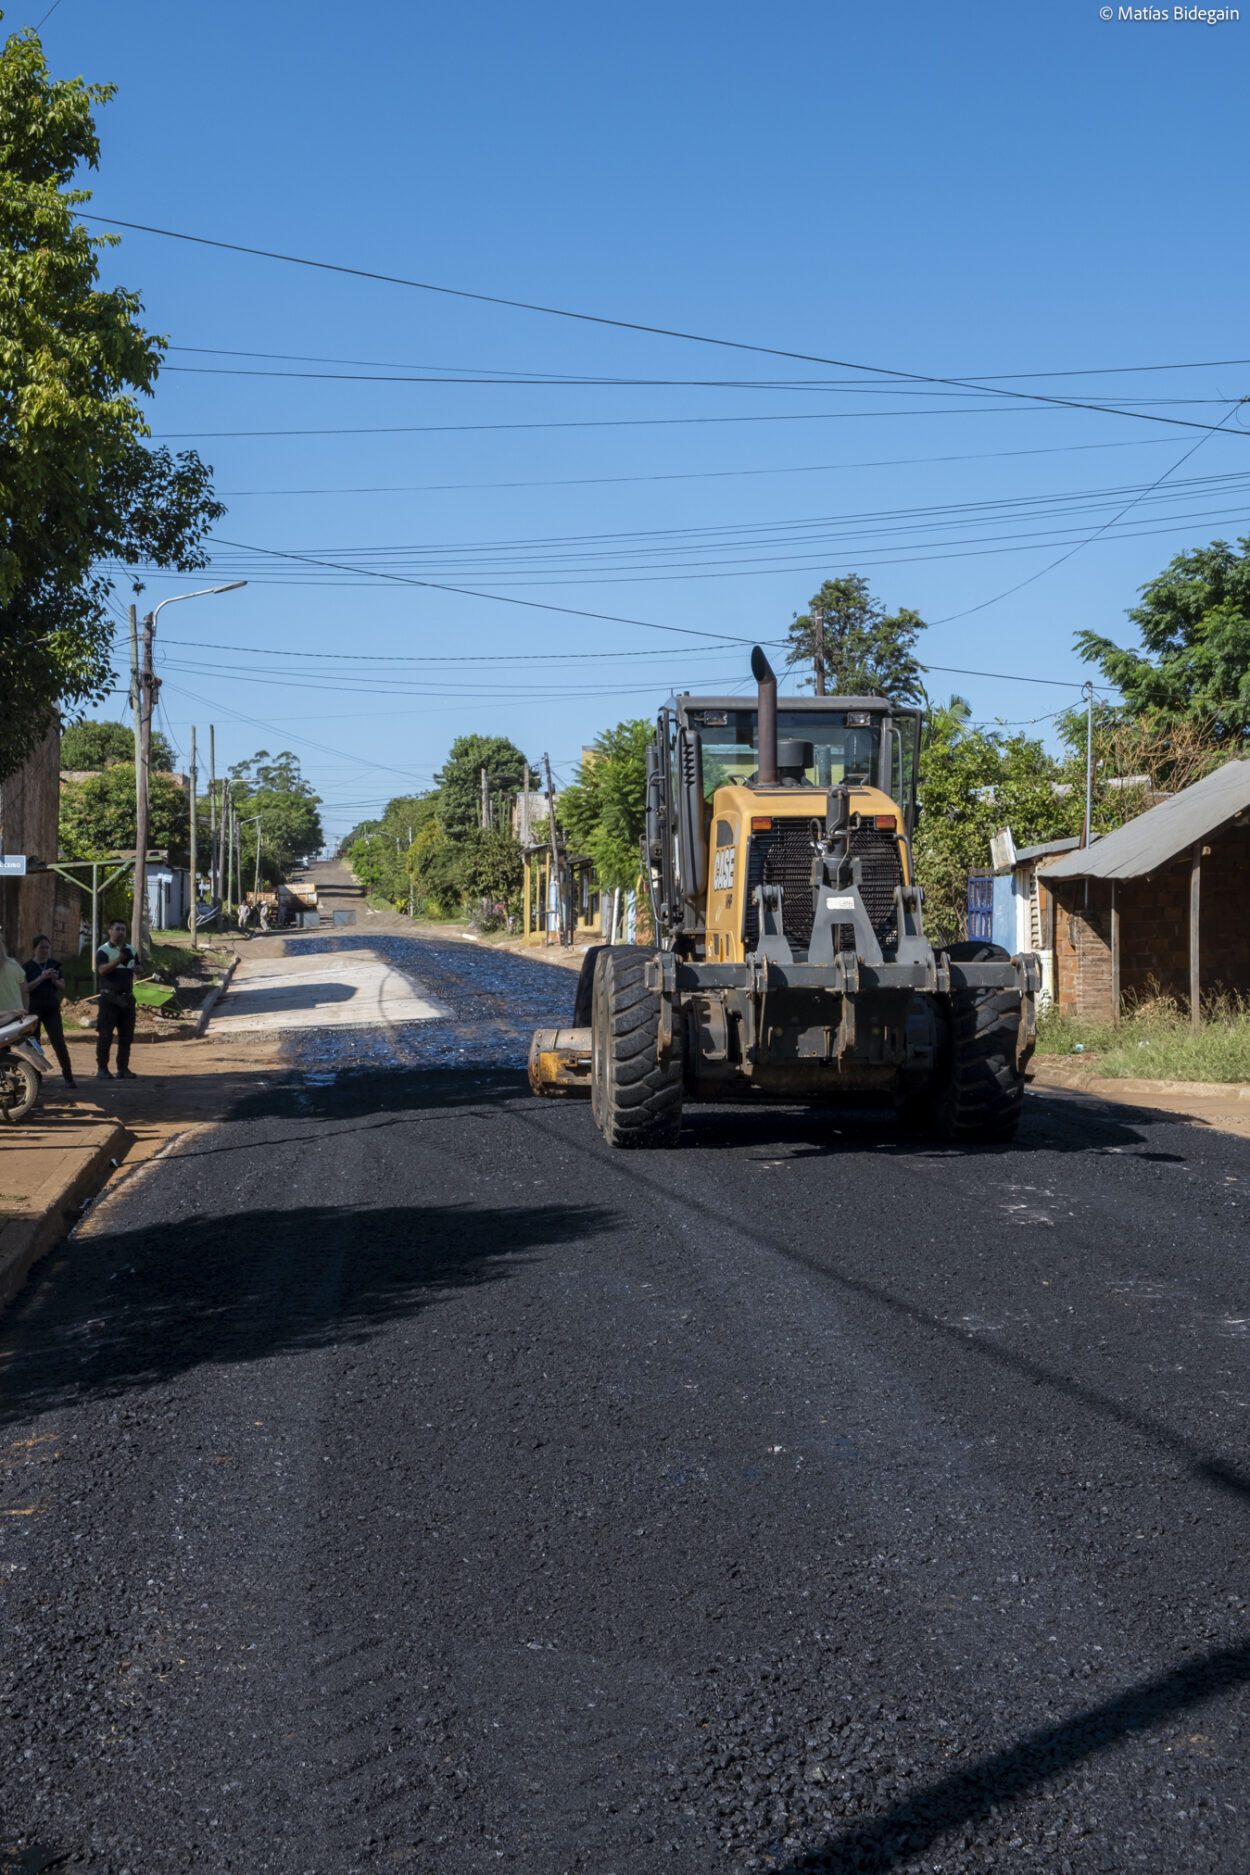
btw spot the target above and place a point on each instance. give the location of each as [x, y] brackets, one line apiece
[1155, 1042]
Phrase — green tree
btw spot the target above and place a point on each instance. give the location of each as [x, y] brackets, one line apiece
[98, 814]
[1194, 621]
[854, 647]
[290, 830]
[604, 811]
[78, 486]
[460, 784]
[95, 745]
[972, 783]
[490, 865]
[379, 850]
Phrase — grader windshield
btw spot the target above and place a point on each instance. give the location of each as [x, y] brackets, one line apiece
[846, 745]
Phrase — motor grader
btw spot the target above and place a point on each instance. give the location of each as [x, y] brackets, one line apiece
[791, 962]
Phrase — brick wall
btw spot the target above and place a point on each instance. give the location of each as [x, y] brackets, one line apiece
[1154, 931]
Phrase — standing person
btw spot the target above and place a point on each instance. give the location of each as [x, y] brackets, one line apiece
[13, 993]
[115, 962]
[44, 984]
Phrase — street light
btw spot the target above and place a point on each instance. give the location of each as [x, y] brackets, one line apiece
[149, 684]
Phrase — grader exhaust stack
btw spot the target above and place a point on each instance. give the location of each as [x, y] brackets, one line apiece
[789, 960]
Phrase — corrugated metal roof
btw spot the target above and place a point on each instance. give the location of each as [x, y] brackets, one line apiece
[1156, 837]
[1046, 848]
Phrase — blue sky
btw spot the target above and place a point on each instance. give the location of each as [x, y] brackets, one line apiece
[966, 191]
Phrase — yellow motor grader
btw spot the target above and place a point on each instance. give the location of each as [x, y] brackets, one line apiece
[791, 961]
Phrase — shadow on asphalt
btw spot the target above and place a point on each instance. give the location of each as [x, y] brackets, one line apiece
[150, 1304]
[1047, 1126]
[909, 1828]
[350, 1093]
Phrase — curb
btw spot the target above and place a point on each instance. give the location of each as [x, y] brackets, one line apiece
[1127, 1088]
[26, 1239]
[215, 995]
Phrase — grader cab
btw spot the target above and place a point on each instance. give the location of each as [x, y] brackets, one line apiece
[791, 962]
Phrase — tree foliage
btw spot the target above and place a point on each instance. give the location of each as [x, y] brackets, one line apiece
[490, 866]
[603, 812]
[290, 830]
[98, 814]
[861, 649]
[973, 782]
[460, 783]
[379, 850]
[96, 745]
[1194, 621]
[78, 486]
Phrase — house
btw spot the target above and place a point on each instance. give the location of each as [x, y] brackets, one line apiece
[36, 902]
[1163, 903]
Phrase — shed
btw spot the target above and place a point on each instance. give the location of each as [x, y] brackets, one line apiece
[1130, 911]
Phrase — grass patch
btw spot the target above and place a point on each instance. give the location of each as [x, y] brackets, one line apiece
[1155, 1042]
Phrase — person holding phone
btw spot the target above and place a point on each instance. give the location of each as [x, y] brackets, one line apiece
[44, 984]
[115, 965]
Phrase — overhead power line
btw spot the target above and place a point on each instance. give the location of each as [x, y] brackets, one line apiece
[636, 423]
[697, 475]
[626, 325]
[535, 605]
[566, 377]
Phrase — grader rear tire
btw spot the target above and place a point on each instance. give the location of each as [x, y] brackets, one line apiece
[983, 1095]
[635, 1099]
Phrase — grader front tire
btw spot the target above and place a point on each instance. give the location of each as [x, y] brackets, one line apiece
[983, 1097]
[635, 1098]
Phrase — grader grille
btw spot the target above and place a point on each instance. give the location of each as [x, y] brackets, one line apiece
[783, 857]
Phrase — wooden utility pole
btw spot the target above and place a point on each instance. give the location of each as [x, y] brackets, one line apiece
[213, 893]
[485, 779]
[1195, 954]
[555, 879]
[149, 684]
[523, 811]
[227, 842]
[195, 928]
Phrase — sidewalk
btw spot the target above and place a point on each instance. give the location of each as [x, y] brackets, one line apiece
[49, 1168]
[77, 1144]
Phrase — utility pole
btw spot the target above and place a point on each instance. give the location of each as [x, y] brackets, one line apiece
[1088, 832]
[149, 684]
[410, 878]
[195, 928]
[227, 842]
[523, 815]
[134, 685]
[555, 878]
[485, 779]
[818, 647]
[212, 813]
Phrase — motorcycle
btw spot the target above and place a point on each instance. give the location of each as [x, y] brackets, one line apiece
[23, 1065]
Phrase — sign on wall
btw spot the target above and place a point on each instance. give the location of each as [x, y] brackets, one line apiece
[12, 866]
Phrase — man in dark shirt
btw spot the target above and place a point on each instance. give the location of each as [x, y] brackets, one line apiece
[45, 982]
[115, 966]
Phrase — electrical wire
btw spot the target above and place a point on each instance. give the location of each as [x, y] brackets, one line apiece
[697, 475]
[625, 325]
[637, 423]
[1099, 532]
[562, 377]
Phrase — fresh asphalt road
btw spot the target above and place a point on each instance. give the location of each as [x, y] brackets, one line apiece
[397, 1478]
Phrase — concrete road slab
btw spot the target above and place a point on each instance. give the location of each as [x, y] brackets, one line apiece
[348, 989]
